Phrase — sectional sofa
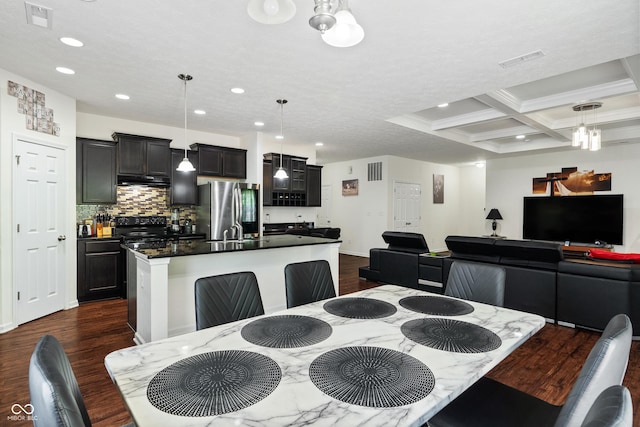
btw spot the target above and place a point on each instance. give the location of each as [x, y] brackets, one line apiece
[539, 279]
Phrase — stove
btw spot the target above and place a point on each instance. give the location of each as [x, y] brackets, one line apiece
[142, 231]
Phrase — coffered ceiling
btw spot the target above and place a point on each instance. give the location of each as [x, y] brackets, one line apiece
[377, 98]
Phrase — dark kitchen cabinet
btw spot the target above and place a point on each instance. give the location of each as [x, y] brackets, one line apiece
[298, 174]
[95, 171]
[100, 272]
[281, 184]
[184, 185]
[221, 161]
[314, 185]
[267, 183]
[143, 155]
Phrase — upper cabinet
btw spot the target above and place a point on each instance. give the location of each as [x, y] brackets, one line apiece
[300, 188]
[95, 171]
[221, 161]
[314, 185]
[143, 155]
[184, 185]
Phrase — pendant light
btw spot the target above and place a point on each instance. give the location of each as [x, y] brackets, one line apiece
[281, 173]
[271, 11]
[587, 139]
[346, 32]
[185, 165]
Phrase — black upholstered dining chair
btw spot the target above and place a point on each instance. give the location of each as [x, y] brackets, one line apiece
[612, 408]
[307, 282]
[490, 403]
[476, 282]
[226, 298]
[53, 387]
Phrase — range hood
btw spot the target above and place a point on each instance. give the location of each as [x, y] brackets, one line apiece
[151, 181]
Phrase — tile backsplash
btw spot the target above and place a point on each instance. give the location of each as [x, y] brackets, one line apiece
[136, 200]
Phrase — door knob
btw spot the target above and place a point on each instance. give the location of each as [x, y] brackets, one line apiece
[62, 237]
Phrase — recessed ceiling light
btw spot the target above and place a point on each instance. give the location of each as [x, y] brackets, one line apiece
[65, 70]
[70, 41]
[444, 104]
[237, 90]
[519, 136]
[279, 137]
[122, 96]
[258, 123]
[319, 144]
[480, 164]
[200, 112]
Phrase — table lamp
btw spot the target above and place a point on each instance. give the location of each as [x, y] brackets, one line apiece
[494, 214]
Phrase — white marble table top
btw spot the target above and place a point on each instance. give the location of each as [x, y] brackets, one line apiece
[296, 400]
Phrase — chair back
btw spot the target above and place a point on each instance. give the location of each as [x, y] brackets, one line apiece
[307, 282]
[612, 408]
[226, 298]
[476, 282]
[605, 366]
[54, 391]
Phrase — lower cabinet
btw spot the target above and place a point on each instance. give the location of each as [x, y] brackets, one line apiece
[99, 270]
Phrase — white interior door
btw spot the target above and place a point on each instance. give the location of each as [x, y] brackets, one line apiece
[407, 199]
[40, 212]
[324, 212]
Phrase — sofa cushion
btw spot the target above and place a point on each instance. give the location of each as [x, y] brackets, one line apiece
[405, 242]
[529, 253]
[472, 248]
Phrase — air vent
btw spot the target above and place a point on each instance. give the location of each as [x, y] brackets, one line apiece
[374, 171]
[520, 59]
[39, 15]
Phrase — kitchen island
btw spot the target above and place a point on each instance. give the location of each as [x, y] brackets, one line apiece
[165, 276]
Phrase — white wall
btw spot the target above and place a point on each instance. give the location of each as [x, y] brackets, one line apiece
[510, 179]
[12, 122]
[363, 218]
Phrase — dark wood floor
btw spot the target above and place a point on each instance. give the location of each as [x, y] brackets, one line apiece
[545, 366]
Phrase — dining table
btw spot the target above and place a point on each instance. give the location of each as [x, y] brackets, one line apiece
[386, 356]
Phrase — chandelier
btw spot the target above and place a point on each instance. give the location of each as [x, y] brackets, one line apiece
[583, 136]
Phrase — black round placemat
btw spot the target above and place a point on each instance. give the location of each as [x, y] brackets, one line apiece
[286, 331]
[214, 383]
[360, 308]
[371, 376]
[435, 305]
[451, 335]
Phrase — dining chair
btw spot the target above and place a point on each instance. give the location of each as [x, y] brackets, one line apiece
[612, 408]
[491, 403]
[226, 298]
[476, 282]
[307, 282]
[55, 395]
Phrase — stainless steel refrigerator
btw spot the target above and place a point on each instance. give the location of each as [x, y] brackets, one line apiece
[230, 206]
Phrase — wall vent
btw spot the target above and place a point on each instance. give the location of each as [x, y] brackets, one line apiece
[374, 171]
[39, 15]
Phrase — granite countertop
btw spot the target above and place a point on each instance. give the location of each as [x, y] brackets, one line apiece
[202, 247]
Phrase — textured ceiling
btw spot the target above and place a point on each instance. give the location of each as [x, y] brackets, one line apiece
[376, 98]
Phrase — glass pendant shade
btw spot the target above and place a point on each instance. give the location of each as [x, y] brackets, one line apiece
[281, 174]
[185, 166]
[271, 12]
[346, 32]
[595, 142]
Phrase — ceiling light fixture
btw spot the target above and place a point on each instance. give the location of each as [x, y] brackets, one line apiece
[123, 96]
[346, 32]
[319, 144]
[65, 70]
[185, 165]
[271, 11]
[323, 20]
[258, 123]
[70, 41]
[237, 90]
[199, 112]
[281, 173]
[583, 137]
[443, 105]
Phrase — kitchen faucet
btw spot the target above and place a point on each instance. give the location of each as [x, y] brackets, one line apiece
[240, 231]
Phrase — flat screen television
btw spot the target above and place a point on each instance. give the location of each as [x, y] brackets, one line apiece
[574, 219]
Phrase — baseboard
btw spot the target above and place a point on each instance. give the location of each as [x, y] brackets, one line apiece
[137, 338]
[7, 327]
[366, 255]
[567, 324]
[72, 304]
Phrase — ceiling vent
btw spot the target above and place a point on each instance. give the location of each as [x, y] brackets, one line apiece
[520, 59]
[39, 15]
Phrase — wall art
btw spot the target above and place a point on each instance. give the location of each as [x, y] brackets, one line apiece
[571, 182]
[31, 103]
[350, 187]
[438, 188]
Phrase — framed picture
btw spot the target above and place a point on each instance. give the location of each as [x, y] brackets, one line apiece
[438, 188]
[350, 187]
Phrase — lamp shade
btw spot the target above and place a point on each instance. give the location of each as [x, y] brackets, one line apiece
[345, 33]
[271, 11]
[494, 214]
